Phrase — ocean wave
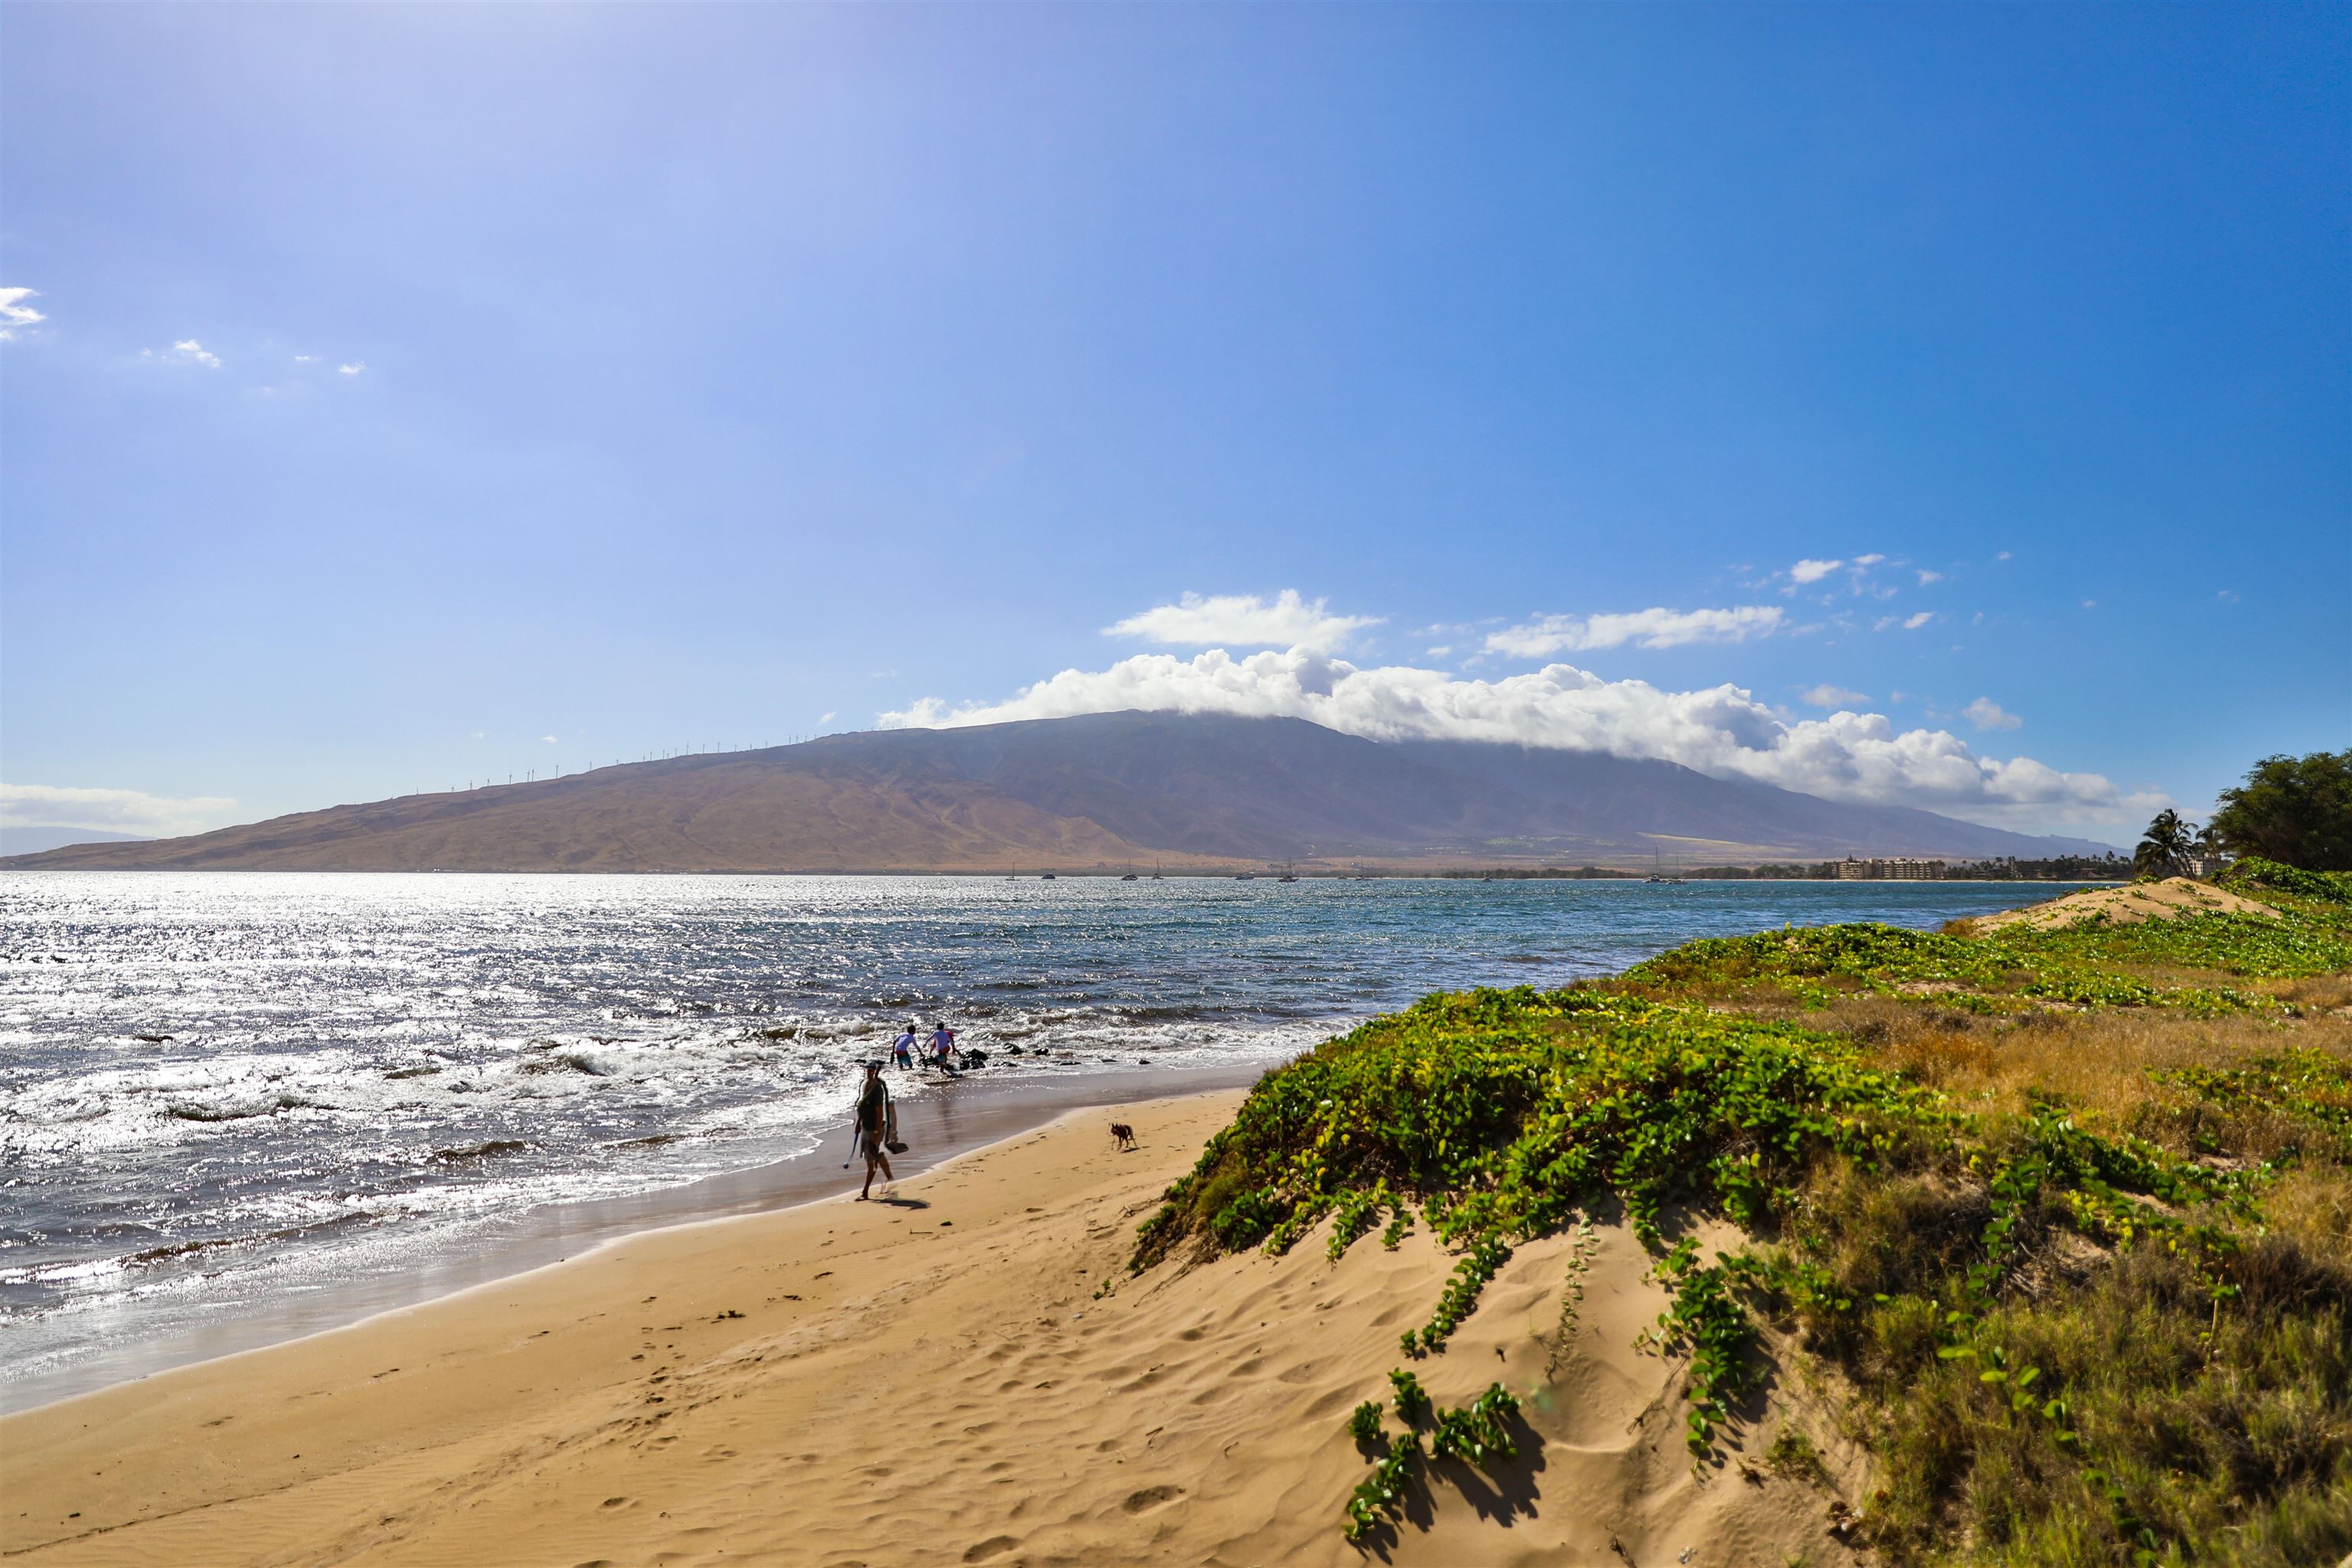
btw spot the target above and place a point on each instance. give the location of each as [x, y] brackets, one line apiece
[567, 1061]
[188, 1111]
[483, 1150]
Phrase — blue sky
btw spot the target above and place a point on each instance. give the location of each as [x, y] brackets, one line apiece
[397, 388]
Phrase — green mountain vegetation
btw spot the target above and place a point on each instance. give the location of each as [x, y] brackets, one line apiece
[2067, 1214]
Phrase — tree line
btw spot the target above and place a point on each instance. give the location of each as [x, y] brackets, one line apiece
[2295, 810]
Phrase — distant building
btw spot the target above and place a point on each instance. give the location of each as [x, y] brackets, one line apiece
[1900, 868]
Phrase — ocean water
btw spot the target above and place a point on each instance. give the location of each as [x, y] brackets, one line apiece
[222, 1092]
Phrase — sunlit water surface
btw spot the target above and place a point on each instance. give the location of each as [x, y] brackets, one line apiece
[216, 1090]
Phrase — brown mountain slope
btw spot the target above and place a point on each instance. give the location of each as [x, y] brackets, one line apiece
[1106, 789]
[727, 815]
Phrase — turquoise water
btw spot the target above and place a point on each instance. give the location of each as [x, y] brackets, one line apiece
[219, 1088]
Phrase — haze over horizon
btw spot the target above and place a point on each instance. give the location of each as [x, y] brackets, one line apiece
[1943, 409]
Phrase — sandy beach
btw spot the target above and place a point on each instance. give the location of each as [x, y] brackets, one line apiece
[929, 1379]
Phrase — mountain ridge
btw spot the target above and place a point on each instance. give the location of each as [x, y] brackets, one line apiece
[1192, 790]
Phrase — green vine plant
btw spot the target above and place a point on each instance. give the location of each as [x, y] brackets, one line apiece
[1506, 1115]
[1477, 1434]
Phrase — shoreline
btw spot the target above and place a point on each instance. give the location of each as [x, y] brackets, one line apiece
[303, 1425]
[964, 1372]
[1256, 871]
[940, 1130]
[117, 1346]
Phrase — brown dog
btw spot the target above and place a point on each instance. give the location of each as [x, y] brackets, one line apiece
[1122, 1135]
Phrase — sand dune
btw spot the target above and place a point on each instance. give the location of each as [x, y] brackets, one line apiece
[931, 1382]
[2128, 905]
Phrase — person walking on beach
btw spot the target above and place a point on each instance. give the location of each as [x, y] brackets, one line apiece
[905, 1047]
[942, 1046]
[873, 1129]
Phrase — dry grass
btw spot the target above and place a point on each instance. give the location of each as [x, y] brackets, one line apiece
[2103, 1061]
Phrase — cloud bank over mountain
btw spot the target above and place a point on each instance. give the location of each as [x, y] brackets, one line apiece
[1723, 729]
[120, 810]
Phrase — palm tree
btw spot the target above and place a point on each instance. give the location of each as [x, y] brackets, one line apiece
[2165, 847]
[2209, 847]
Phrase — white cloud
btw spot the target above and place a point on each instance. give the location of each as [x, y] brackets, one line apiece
[1868, 559]
[1928, 577]
[1243, 620]
[189, 349]
[1805, 571]
[1645, 629]
[1913, 623]
[1826, 695]
[2002, 556]
[352, 369]
[304, 359]
[828, 719]
[1722, 730]
[1987, 714]
[547, 739]
[1442, 650]
[15, 314]
[109, 810]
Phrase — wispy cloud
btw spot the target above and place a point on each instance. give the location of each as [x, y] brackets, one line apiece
[1243, 620]
[109, 810]
[352, 369]
[1926, 577]
[1827, 695]
[1656, 628]
[15, 315]
[1987, 714]
[1813, 569]
[1913, 623]
[187, 350]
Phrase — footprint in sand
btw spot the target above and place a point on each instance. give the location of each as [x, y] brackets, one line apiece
[1331, 1403]
[1150, 1497]
[994, 1546]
